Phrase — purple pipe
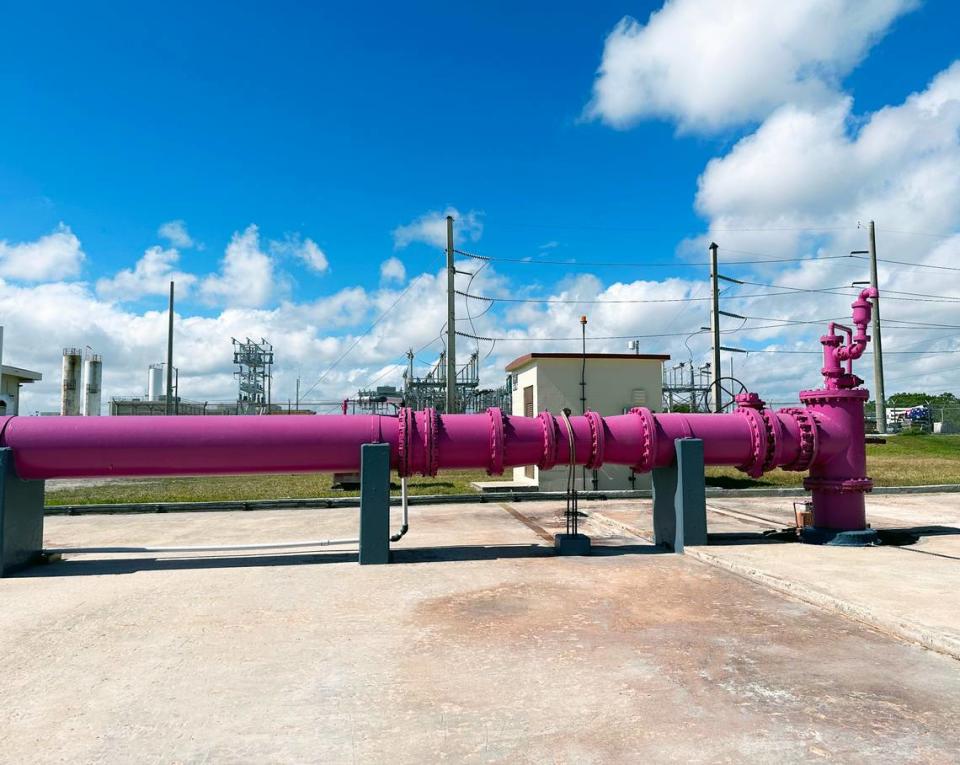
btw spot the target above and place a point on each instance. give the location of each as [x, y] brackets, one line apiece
[421, 442]
[825, 437]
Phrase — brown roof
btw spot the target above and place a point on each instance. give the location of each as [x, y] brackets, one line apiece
[523, 360]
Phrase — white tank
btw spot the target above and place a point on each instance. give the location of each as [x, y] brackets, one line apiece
[70, 390]
[155, 387]
[93, 376]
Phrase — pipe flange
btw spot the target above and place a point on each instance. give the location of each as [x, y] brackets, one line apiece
[596, 440]
[496, 441]
[774, 441]
[648, 433]
[549, 441]
[836, 486]
[404, 427]
[758, 440]
[431, 427]
[809, 439]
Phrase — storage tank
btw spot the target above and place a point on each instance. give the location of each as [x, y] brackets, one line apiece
[93, 376]
[70, 390]
[155, 387]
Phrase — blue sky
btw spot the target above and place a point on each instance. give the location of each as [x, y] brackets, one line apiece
[338, 124]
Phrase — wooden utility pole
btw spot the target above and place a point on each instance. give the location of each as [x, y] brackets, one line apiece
[715, 328]
[451, 323]
[878, 394]
[169, 401]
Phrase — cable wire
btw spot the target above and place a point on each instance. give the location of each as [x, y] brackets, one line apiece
[672, 264]
[356, 342]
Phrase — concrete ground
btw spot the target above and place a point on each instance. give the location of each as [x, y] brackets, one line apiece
[479, 645]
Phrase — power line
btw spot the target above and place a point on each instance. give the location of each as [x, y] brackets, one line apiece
[907, 264]
[600, 227]
[784, 322]
[916, 233]
[884, 295]
[572, 301]
[615, 264]
[353, 345]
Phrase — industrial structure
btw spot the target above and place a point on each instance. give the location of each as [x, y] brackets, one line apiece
[613, 383]
[155, 390]
[686, 387]
[81, 383]
[92, 384]
[71, 381]
[430, 389]
[254, 375]
[155, 401]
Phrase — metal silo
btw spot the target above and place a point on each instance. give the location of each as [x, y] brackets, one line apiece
[93, 376]
[70, 391]
[155, 388]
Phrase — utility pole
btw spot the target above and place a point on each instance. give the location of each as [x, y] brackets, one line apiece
[298, 393]
[878, 393]
[169, 401]
[451, 323]
[715, 327]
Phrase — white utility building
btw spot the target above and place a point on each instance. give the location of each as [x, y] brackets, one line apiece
[614, 383]
[11, 380]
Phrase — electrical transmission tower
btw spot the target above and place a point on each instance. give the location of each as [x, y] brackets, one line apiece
[254, 376]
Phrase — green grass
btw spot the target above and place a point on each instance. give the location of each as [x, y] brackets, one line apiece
[239, 487]
[905, 460]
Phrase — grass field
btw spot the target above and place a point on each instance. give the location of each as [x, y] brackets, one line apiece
[905, 460]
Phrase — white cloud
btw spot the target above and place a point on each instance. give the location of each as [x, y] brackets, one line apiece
[431, 228]
[305, 250]
[713, 63]
[393, 270]
[313, 256]
[54, 256]
[175, 232]
[902, 166]
[246, 277]
[800, 184]
[151, 275]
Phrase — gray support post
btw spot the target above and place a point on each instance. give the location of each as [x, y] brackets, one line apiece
[679, 498]
[21, 518]
[664, 497]
[374, 503]
[691, 497]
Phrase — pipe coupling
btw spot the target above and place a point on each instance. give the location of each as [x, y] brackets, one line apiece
[760, 440]
[404, 432]
[809, 438]
[496, 441]
[596, 440]
[648, 438]
[549, 440]
[431, 436]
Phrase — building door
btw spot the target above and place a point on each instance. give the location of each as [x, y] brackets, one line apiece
[528, 471]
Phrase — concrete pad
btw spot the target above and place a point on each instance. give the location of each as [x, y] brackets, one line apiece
[483, 647]
[912, 591]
